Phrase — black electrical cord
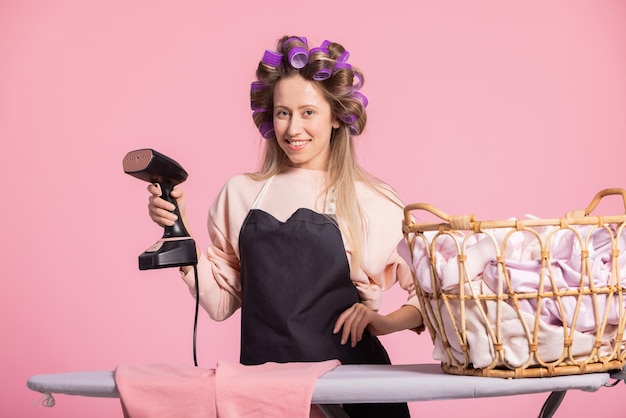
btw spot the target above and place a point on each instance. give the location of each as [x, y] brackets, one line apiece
[195, 319]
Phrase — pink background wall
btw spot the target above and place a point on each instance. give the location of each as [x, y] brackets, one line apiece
[489, 107]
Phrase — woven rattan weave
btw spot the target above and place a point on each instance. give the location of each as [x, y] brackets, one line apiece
[516, 331]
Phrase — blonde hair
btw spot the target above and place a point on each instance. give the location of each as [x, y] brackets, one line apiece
[347, 106]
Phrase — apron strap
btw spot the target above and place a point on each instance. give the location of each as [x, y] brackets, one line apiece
[330, 204]
[258, 199]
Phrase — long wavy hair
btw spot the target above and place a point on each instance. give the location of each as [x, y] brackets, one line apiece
[339, 83]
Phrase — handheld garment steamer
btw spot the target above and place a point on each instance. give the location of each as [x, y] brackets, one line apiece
[176, 248]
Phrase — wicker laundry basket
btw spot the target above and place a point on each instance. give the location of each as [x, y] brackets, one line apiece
[522, 297]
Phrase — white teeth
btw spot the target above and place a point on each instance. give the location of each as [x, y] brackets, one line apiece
[297, 143]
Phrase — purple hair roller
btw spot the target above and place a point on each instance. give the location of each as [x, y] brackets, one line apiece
[344, 56]
[257, 85]
[339, 65]
[318, 49]
[322, 74]
[298, 57]
[348, 119]
[272, 58]
[359, 81]
[257, 108]
[267, 130]
[298, 39]
[354, 131]
[361, 97]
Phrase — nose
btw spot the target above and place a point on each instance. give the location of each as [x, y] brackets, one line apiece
[295, 125]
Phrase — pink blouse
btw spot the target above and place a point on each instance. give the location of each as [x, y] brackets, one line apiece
[218, 271]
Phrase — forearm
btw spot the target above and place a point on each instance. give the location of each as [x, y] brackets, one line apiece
[406, 317]
[219, 296]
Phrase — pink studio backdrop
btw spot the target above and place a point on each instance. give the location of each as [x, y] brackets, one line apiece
[488, 107]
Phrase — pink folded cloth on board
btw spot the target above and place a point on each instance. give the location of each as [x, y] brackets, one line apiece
[267, 390]
[231, 390]
[166, 390]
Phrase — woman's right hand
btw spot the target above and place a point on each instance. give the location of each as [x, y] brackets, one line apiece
[160, 210]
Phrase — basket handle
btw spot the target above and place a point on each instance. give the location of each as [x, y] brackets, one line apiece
[456, 222]
[596, 199]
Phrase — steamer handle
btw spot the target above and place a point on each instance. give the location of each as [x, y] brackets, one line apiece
[604, 193]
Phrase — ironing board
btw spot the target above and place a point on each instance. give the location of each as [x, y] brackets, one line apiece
[367, 384]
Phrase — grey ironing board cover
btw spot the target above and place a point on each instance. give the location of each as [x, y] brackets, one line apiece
[359, 384]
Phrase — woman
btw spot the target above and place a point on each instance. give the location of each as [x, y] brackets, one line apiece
[306, 245]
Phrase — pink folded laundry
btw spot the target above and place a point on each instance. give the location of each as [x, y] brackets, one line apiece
[166, 390]
[267, 390]
[231, 390]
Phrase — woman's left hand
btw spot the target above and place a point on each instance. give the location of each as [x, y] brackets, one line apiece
[353, 321]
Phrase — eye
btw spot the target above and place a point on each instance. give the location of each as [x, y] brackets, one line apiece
[282, 114]
[308, 113]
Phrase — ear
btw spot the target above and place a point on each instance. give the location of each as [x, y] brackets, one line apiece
[336, 123]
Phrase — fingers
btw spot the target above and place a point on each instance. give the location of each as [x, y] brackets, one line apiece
[154, 189]
[352, 323]
[159, 209]
[160, 215]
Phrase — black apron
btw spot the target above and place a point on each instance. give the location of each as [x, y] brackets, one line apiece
[295, 282]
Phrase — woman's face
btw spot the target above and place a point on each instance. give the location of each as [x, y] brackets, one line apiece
[303, 122]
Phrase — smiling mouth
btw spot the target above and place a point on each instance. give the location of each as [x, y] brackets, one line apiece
[297, 142]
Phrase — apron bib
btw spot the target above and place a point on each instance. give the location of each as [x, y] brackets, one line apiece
[295, 280]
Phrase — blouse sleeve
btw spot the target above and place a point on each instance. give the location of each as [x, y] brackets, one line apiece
[219, 275]
[382, 264]
[372, 280]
